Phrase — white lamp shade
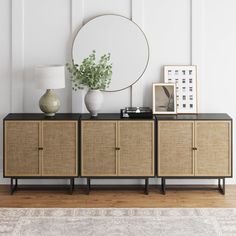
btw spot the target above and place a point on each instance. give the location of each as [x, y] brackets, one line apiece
[50, 77]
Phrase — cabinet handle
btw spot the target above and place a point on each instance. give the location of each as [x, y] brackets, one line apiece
[194, 148]
[117, 148]
[40, 148]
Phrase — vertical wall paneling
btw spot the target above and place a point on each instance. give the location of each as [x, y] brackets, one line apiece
[197, 38]
[77, 18]
[77, 15]
[137, 17]
[17, 56]
[197, 24]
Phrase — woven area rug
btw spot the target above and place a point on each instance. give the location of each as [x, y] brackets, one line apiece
[82, 221]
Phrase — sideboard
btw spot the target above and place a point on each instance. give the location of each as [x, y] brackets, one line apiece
[69, 146]
[36, 146]
[117, 148]
[195, 146]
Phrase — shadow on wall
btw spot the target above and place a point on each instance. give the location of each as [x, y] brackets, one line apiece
[157, 77]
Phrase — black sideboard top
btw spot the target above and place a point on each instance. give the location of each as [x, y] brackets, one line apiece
[41, 116]
[199, 116]
[113, 116]
[108, 116]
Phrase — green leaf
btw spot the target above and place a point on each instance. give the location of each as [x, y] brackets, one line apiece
[90, 73]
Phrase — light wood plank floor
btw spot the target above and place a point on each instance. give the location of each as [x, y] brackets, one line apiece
[118, 198]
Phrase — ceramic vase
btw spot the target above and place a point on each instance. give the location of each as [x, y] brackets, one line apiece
[93, 101]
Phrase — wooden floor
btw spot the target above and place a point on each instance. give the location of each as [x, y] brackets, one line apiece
[104, 198]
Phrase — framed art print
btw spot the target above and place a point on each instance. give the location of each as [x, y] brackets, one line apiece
[164, 98]
[185, 78]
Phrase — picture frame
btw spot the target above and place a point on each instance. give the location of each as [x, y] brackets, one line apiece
[185, 78]
[164, 98]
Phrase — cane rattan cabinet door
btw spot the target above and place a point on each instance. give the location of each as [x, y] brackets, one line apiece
[136, 143]
[213, 143]
[98, 148]
[60, 146]
[21, 150]
[175, 148]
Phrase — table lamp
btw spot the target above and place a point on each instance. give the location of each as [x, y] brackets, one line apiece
[49, 78]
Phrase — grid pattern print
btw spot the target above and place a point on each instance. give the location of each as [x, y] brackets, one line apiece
[185, 78]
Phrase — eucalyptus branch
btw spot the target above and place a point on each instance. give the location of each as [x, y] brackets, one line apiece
[91, 74]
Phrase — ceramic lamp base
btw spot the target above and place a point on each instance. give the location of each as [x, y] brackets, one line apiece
[49, 114]
[49, 103]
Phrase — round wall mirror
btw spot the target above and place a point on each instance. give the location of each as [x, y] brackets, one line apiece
[123, 39]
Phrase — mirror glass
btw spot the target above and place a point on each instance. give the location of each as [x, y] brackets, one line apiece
[123, 39]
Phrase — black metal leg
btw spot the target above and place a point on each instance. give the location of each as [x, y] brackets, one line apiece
[224, 185]
[146, 186]
[13, 187]
[163, 185]
[221, 187]
[88, 185]
[71, 185]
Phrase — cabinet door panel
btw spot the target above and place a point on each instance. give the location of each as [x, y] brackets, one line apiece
[175, 143]
[213, 142]
[136, 155]
[22, 157]
[98, 144]
[59, 148]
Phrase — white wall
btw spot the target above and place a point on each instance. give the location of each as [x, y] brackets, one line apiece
[179, 32]
[5, 66]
